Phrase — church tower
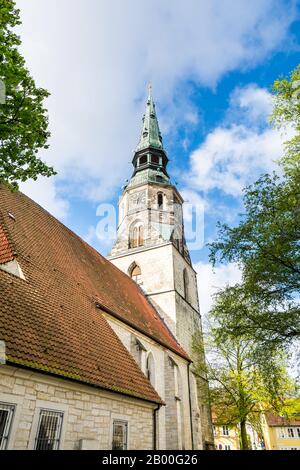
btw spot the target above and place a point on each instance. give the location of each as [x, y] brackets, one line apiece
[151, 248]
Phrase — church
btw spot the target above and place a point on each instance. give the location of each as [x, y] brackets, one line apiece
[97, 353]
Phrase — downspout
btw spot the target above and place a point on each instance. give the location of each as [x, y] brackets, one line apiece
[190, 402]
[155, 411]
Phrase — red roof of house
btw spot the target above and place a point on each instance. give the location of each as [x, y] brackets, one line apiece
[50, 322]
[276, 420]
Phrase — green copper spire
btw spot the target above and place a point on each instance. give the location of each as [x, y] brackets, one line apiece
[150, 159]
[150, 135]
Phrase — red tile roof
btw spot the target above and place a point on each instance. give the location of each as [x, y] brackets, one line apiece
[276, 420]
[6, 253]
[50, 321]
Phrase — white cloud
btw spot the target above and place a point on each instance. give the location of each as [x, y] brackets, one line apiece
[211, 280]
[91, 235]
[43, 191]
[95, 57]
[236, 153]
[252, 103]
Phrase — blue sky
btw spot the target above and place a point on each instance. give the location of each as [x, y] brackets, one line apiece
[211, 65]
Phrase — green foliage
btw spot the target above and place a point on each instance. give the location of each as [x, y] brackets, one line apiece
[245, 378]
[266, 246]
[286, 113]
[23, 119]
[266, 243]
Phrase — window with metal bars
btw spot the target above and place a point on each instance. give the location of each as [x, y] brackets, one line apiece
[49, 430]
[120, 435]
[6, 417]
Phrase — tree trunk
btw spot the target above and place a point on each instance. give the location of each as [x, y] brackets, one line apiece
[244, 437]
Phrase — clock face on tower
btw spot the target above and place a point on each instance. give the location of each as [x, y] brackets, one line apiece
[137, 200]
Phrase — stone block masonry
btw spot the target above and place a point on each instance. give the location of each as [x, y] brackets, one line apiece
[88, 413]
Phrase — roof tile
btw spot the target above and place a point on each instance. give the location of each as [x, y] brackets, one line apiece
[50, 322]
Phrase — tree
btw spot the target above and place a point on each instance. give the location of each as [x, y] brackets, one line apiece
[266, 246]
[286, 113]
[266, 243]
[245, 380]
[23, 119]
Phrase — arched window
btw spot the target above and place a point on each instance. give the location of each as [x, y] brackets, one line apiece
[160, 200]
[186, 284]
[136, 274]
[150, 369]
[136, 235]
[138, 351]
[141, 236]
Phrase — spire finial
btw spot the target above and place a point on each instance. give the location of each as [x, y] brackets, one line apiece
[150, 135]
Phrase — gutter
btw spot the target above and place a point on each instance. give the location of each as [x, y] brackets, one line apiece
[155, 416]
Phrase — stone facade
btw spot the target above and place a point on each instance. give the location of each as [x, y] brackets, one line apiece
[88, 413]
[168, 280]
[171, 381]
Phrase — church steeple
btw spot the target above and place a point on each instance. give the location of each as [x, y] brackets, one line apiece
[150, 159]
[150, 135]
[151, 248]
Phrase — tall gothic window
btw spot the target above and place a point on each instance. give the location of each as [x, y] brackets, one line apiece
[150, 369]
[141, 236]
[160, 200]
[186, 284]
[136, 236]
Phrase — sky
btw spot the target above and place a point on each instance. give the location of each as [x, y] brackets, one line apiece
[211, 66]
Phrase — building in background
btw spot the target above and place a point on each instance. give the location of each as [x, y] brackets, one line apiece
[227, 437]
[281, 433]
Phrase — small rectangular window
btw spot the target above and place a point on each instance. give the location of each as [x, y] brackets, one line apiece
[291, 432]
[6, 417]
[49, 430]
[155, 159]
[225, 431]
[120, 435]
[143, 160]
